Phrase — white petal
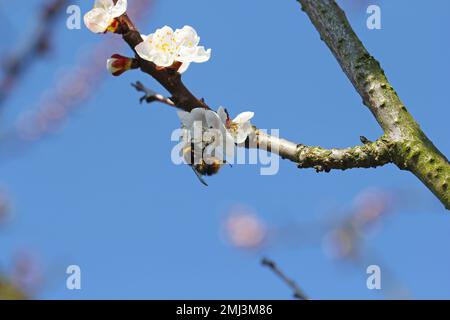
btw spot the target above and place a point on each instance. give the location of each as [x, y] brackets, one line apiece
[201, 55]
[161, 59]
[198, 114]
[186, 37]
[97, 20]
[229, 146]
[164, 34]
[222, 114]
[227, 142]
[188, 50]
[240, 137]
[185, 54]
[197, 54]
[247, 128]
[158, 47]
[104, 4]
[197, 132]
[213, 120]
[143, 49]
[184, 67]
[224, 146]
[243, 132]
[185, 118]
[119, 9]
[244, 117]
[147, 52]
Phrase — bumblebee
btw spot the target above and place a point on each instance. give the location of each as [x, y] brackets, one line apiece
[201, 167]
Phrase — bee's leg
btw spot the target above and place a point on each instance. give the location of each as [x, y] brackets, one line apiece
[199, 176]
[231, 166]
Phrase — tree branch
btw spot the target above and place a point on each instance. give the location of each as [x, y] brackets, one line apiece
[403, 142]
[411, 149]
[168, 78]
[369, 155]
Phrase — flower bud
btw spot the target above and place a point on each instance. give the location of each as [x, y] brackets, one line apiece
[118, 64]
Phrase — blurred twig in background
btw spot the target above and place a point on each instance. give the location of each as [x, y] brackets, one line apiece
[79, 83]
[298, 293]
[343, 239]
[39, 43]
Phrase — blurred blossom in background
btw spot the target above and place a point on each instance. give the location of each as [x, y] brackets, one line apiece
[27, 273]
[343, 240]
[244, 229]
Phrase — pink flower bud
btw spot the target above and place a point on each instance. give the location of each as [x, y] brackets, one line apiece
[118, 64]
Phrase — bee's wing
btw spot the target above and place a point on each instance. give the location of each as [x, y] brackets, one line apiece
[199, 176]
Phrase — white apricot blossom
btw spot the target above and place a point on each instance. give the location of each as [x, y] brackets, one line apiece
[164, 47]
[215, 130]
[103, 15]
[239, 128]
[187, 42]
[203, 138]
[196, 135]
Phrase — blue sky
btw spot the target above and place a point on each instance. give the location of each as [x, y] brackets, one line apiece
[101, 191]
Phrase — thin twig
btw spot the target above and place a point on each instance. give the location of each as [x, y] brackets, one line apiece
[150, 95]
[298, 293]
